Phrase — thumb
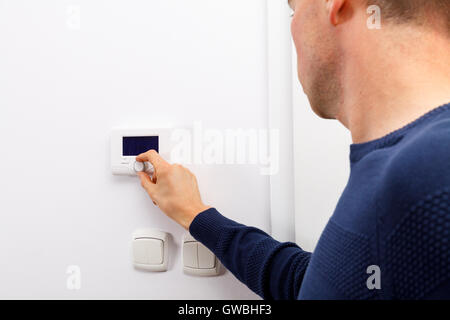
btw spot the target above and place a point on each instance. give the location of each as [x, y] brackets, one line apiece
[147, 183]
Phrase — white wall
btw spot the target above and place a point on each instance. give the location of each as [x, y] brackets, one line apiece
[321, 153]
[139, 63]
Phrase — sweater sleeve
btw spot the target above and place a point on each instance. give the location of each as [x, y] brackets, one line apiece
[271, 269]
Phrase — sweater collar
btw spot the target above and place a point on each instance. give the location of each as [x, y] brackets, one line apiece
[360, 150]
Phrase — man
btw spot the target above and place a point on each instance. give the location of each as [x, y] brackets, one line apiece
[389, 237]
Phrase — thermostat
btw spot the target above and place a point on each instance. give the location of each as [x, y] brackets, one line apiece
[126, 144]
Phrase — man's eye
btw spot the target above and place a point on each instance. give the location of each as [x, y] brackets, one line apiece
[292, 14]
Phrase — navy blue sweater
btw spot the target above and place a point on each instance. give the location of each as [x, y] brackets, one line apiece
[394, 213]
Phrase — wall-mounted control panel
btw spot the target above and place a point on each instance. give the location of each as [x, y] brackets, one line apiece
[126, 144]
[150, 250]
[198, 260]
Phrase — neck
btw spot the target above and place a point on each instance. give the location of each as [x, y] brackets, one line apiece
[392, 83]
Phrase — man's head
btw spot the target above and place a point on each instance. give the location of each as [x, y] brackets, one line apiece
[330, 33]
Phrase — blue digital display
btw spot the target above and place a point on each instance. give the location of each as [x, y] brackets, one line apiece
[133, 146]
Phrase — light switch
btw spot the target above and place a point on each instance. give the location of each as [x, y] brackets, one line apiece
[198, 260]
[150, 250]
[206, 259]
[190, 253]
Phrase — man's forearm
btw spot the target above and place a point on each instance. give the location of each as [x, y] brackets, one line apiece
[271, 269]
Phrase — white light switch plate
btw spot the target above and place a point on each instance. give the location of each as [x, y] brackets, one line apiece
[198, 260]
[150, 250]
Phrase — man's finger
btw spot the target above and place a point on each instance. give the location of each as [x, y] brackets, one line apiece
[147, 183]
[154, 158]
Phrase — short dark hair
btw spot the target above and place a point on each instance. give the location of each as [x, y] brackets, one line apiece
[423, 12]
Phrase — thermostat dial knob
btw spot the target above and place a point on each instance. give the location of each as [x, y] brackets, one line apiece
[139, 166]
[149, 168]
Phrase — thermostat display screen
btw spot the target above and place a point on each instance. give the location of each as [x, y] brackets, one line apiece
[133, 146]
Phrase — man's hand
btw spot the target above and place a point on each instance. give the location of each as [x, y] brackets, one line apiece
[172, 188]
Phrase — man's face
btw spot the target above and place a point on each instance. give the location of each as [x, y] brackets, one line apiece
[318, 63]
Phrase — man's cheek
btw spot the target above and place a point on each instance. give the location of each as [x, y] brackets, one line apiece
[296, 36]
[301, 70]
[300, 47]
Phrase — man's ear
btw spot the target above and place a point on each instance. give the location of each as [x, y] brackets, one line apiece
[335, 14]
